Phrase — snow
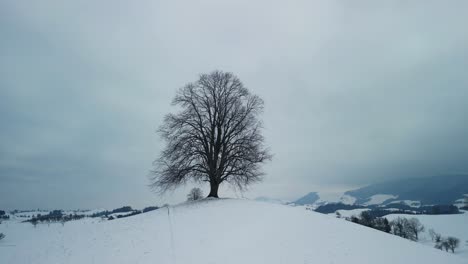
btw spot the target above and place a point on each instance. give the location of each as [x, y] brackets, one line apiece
[329, 197]
[348, 199]
[212, 231]
[447, 225]
[410, 203]
[349, 213]
[335, 197]
[379, 199]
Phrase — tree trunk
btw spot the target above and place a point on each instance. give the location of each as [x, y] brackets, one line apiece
[213, 190]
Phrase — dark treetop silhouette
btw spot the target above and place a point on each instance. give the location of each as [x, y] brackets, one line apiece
[215, 137]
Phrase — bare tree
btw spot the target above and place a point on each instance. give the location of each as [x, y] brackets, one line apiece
[216, 136]
[399, 227]
[433, 234]
[453, 243]
[414, 227]
[195, 194]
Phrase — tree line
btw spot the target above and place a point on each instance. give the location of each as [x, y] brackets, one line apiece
[408, 228]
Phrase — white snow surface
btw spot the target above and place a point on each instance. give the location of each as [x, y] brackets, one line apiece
[335, 197]
[380, 198]
[212, 231]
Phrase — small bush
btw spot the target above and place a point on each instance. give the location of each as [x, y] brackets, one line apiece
[2, 236]
[448, 243]
[453, 243]
[195, 194]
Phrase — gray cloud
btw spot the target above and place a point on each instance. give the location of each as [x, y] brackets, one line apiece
[355, 92]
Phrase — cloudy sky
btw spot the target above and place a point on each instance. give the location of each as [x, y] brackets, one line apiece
[355, 92]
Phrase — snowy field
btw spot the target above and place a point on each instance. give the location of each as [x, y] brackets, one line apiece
[213, 231]
[455, 225]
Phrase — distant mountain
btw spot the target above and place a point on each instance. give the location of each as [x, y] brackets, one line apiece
[444, 189]
[309, 198]
[413, 192]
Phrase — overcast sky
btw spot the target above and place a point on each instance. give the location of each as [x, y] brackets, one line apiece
[355, 92]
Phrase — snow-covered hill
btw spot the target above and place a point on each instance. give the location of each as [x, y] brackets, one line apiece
[212, 231]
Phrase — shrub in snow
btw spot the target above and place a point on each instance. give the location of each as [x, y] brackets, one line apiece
[453, 243]
[1, 236]
[338, 215]
[448, 243]
[3, 215]
[195, 194]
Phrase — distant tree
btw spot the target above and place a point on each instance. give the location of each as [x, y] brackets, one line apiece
[406, 228]
[124, 209]
[438, 246]
[215, 138]
[452, 243]
[150, 208]
[445, 245]
[382, 224]
[338, 215]
[433, 234]
[2, 236]
[195, 194]
[354, 219]
[414, 227]
[366, 219]
[399, 227]
[369, 220]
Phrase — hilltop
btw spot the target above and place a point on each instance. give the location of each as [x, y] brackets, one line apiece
[212, 231]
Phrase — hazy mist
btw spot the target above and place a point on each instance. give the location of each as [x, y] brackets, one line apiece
[355, 93]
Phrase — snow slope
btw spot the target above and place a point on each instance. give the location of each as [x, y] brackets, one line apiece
[212, 231]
